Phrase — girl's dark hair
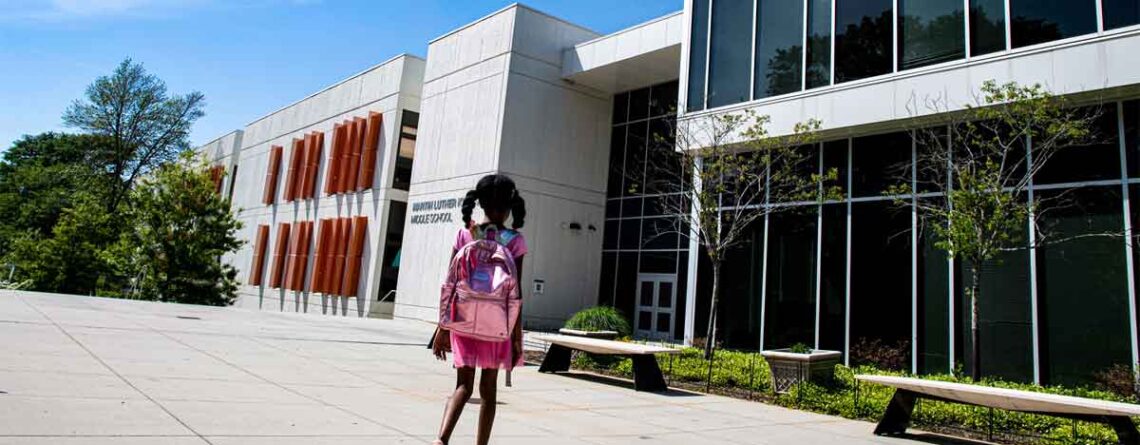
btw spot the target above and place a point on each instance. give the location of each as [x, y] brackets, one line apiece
[496, 192]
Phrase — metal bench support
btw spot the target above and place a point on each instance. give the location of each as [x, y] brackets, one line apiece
[647, 374]
[1126, 432]
[896, 418]
[557, 359]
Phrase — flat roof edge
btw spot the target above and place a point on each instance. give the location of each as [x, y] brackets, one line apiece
[508, 8]
[628, 29]
[338, 83]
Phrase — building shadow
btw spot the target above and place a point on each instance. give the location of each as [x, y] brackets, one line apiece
[624, 383]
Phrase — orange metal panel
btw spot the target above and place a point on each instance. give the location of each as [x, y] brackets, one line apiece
[332, 171]
[350, 140]
[303, 181]
[319, 261]
[296, 170]
[258, 268]
[279, 255]
[301, 263]
[352, 261]
[271, 174]
[337, 277]
[371, 151]
[357, 139]
[291, 257]
[316, 146]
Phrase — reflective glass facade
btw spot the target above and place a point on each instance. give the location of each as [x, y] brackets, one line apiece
[637, 239]
[837, 41]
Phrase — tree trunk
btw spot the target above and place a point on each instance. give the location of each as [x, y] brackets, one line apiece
[975, 334]
[710, 335]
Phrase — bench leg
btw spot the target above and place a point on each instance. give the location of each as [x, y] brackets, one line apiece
[557, 359]
[1126, 432]
[647, 375]
[896, 418]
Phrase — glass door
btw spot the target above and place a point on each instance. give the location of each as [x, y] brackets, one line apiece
[656, 300]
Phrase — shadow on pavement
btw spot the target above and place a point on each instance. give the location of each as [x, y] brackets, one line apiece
[623, 383]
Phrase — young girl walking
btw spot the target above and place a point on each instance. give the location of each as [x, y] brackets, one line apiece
[500, 200]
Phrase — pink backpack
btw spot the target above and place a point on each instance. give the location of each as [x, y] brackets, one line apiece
[481, 298]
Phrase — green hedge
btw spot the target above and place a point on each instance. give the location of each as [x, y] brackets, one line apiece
[735, 372]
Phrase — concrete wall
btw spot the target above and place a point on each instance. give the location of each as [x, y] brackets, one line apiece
[494, 102]
[388, 88]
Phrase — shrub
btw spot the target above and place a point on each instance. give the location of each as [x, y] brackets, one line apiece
[1119, 379]
[800, 348]
[879, 355]
[600, 318]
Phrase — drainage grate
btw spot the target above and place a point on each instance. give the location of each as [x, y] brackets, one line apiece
[187, 317]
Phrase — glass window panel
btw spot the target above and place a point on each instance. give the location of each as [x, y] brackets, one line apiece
[1039, 21]
[635, 158]
[639, 104]
[1005, 318]
[1133, 190]
[987, 26]
[698, 55]
[663, 320]
[659, 233]
[835, 157]
[1082, 289]
[739, 306]
[665, 295]
[663, 99]
[646, 293]
[881, 280]
[878, 162]
[864, 33]
[730, 58]
[610, 238]
[631, 207]
[790, 300]
[682, 277]
[630, 234]
[779, 47]
[803, 164]
[659, 262]
[1120, 13]
[644, 320]
[613, 208]
[934, 304]
[621, 108]
[833, 277]
[608, 276]
[1098, 160]
[930, 32]
[625, 296]
[819, 43]
[616, 180]
[1132, 137]
[664, 166]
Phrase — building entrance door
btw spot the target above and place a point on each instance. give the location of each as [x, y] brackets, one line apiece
[656, 300]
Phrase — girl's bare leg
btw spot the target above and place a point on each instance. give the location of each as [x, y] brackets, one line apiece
[464, 383]
[488, 389]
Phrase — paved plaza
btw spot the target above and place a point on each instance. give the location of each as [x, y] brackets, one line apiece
[81, 370]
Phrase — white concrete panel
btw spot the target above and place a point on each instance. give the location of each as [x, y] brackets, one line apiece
[1093, 65]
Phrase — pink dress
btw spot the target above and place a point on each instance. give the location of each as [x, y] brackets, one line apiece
[473, 353]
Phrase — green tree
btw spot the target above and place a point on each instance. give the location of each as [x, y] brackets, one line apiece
[977, 161]
[182, 227]
[145, 125]
[731, 172]
[41, 176]
[67, 261]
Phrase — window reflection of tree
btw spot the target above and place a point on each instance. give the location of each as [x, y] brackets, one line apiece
[1033, 31]
[864, 50]
[926, 42]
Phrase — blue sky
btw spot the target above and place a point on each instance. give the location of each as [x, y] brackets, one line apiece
[249, 57]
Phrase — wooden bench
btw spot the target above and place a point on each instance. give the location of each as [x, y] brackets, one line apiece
[896, 419]
[646, 374]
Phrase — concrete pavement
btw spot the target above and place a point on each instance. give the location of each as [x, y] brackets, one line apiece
[80, 370]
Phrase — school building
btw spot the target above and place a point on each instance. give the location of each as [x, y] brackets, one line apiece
[350, 197]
